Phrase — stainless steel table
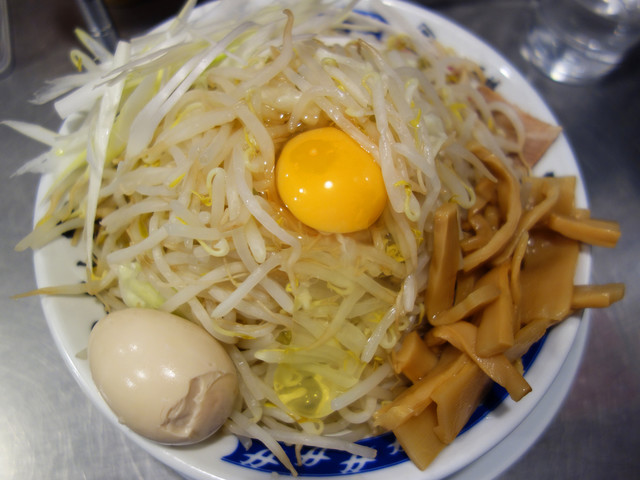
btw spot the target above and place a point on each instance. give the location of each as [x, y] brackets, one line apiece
[48, 430]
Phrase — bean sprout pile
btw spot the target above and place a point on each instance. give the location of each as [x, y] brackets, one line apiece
[165, 173]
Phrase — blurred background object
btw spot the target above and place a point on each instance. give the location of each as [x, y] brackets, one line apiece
[98, 22]
[577, 41]
[5, 38]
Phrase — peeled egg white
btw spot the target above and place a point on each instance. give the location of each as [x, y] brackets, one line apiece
[164, 377]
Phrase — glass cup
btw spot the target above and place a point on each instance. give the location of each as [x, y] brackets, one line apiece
[579, 41]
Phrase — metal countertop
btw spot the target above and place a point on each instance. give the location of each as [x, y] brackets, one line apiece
[49, 430]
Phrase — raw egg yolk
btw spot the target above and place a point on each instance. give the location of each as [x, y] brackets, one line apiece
[329, 182]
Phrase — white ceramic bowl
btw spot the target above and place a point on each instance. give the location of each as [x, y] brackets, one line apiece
[70, 321]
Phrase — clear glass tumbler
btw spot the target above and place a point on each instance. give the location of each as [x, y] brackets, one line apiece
[579, 41]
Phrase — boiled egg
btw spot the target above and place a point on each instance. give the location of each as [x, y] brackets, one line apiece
[329, 182]
[164, 377]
